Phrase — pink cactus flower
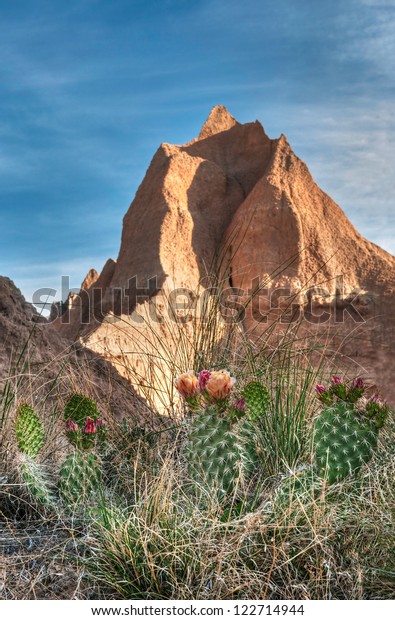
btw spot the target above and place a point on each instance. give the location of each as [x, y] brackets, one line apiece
[71, 427]
[320, 389]
[100, 423]
[203, 377]
[89, 426]
[187, 384]
[336, 380]
[219, 385]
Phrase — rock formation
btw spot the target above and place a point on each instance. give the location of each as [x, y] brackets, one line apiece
[234, 196]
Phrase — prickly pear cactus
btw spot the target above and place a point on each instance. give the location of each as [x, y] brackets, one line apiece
[257, 399]
[344, 440]
[29, 431]
[80, 407]
[346, 432]
[37, 485]
[80, 476]
[221, 448]
[213, 453]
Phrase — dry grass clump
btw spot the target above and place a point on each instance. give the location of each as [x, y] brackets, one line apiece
[338, 545]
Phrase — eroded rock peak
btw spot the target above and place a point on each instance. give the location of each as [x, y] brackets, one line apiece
[218, 120]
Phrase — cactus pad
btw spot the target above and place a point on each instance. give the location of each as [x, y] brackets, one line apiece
[344, 441]
[213, 453]
[80, 476]
[257, 399]
[80, 407]
[29, 431]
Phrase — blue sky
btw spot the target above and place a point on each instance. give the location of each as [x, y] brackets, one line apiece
[90, 88]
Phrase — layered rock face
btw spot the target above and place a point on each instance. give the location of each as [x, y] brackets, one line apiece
[237, 202]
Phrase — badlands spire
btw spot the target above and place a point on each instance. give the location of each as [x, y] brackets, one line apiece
[235, 193]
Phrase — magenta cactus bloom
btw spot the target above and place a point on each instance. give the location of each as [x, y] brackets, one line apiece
[203, 377]
[240, 404]
[375, 399]
[320, 389]
[100, 423]
[336, 380]
[89, 426]
[71, 427]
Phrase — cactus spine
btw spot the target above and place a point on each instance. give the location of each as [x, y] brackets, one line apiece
[37, 484]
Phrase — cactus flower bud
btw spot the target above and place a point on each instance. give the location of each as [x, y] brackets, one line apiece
[187, 384]
[100, 423]
[219, 385]
[203, 377]
[339, 388]
[320, 389]
[238, 410]
[358, 383]
[89, 426]
[240, 404]
[71, 427]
